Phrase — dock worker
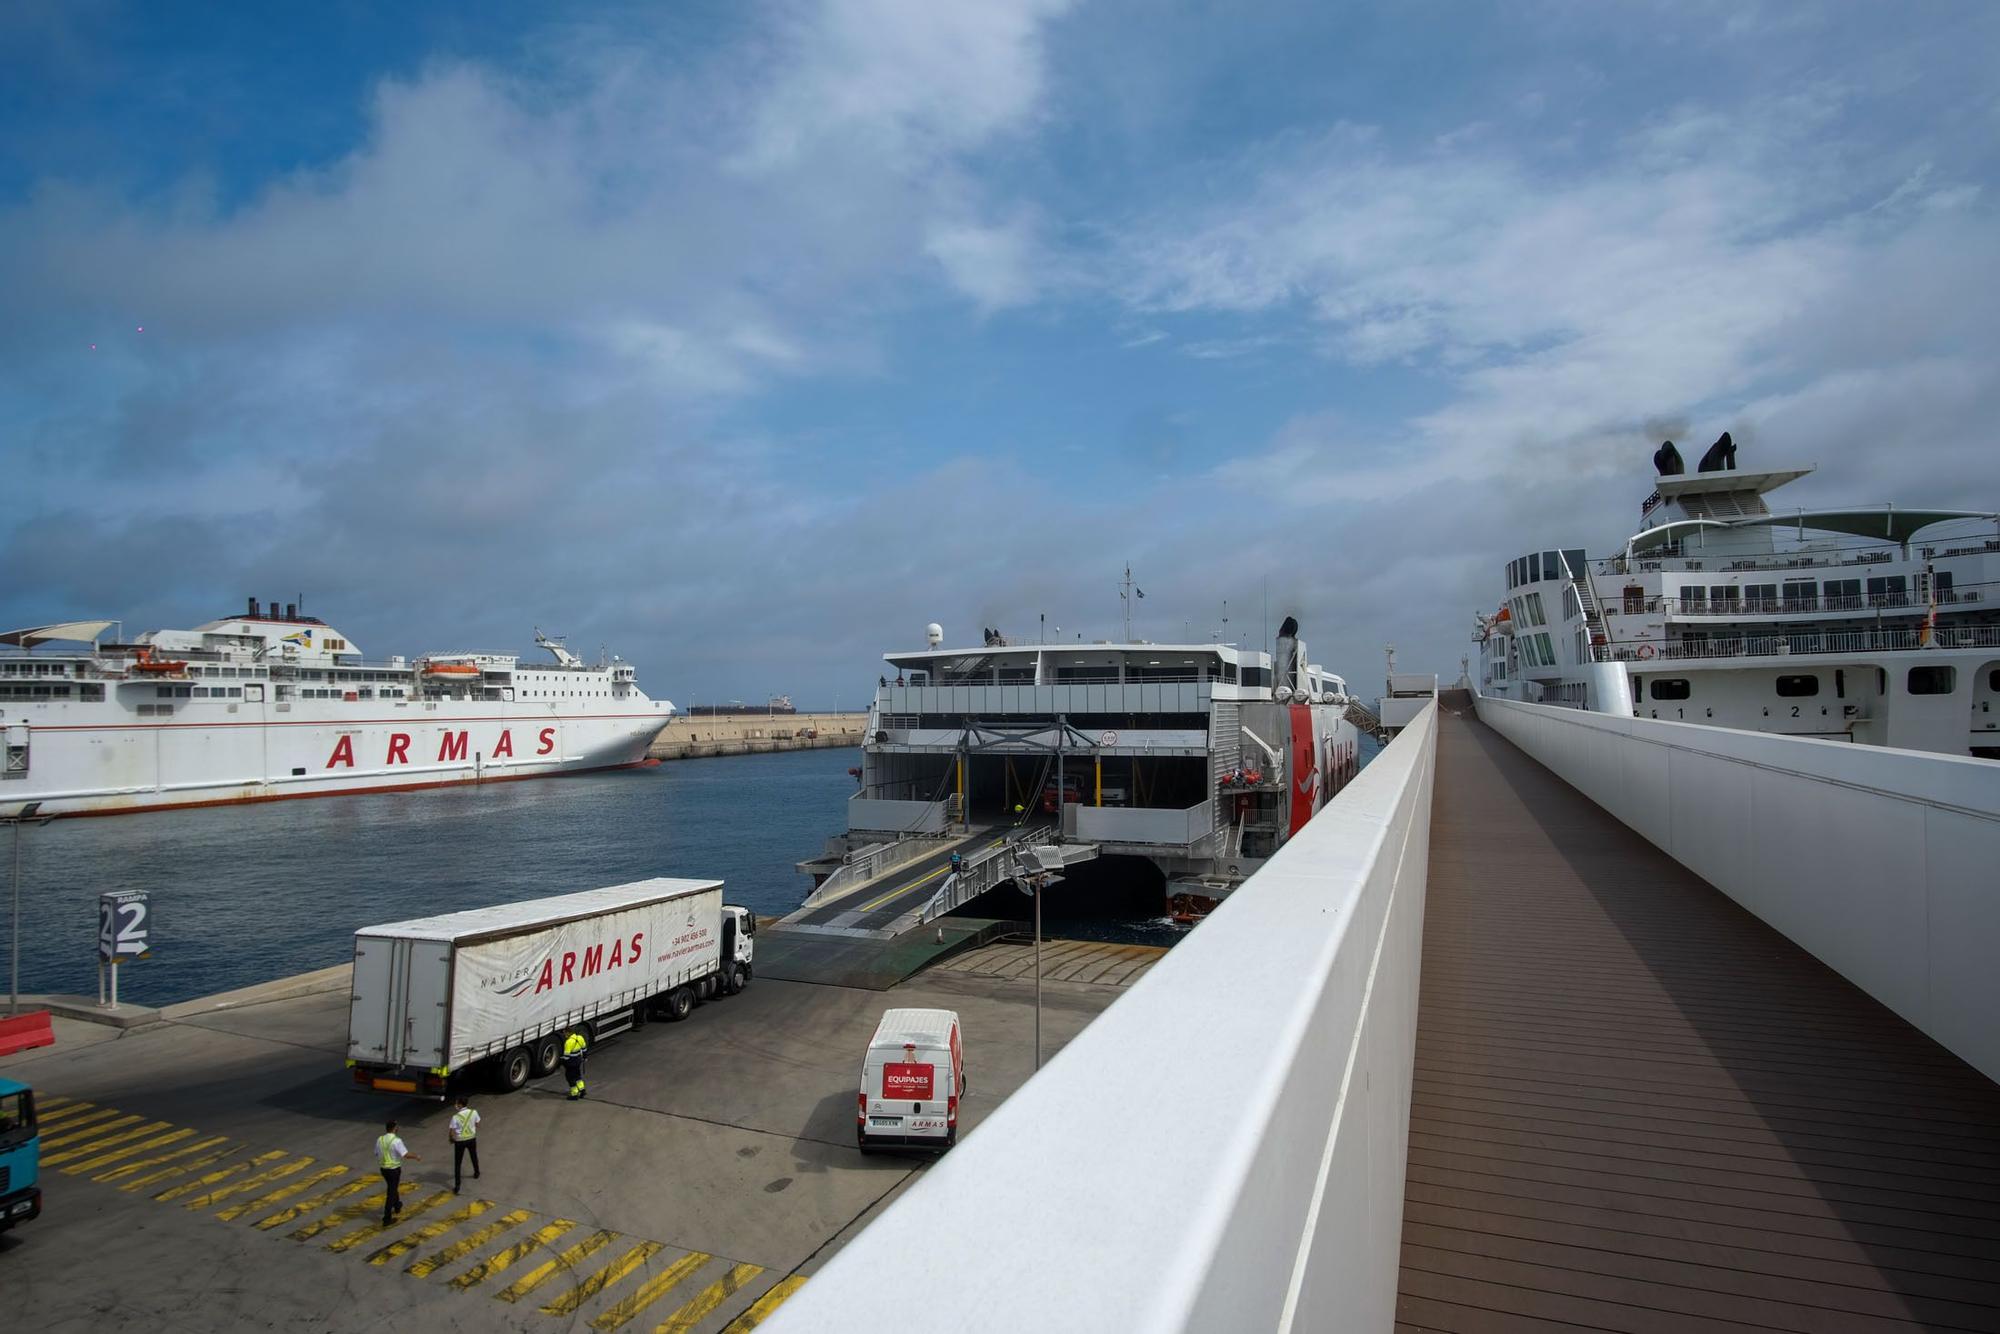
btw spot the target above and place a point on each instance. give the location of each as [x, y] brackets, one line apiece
[464, 1129]
[390, 1151]
[575, 1048]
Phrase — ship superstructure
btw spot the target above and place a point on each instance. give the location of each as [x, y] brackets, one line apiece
[1200, 759]
[270, 704]
[1878, 624]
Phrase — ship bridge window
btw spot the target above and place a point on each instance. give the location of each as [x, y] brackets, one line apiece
[1669, 687]
[1724, 597]
[1936, 679]
[1797, 687]
[1535, 567]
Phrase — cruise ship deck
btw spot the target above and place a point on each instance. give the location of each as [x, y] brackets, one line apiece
[1636, 1107]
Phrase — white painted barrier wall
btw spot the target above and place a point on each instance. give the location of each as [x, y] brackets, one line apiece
[1884, 864]
[1223, 1148]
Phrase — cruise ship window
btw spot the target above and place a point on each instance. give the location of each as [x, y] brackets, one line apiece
[1535, 567]
[1550, 568]
[1797, 687]
[1933, 680]
[1724, 595]
[1760, 597]
[163, 692]
[1669, 687]
[1842, 594]
[1992, 681]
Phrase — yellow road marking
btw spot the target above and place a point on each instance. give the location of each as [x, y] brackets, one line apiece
[63, 1156]
[44, 1101]
[220, 1174]
[764, 1305]
[651, 1290]
[44, 1112]
[458, 1250]
[136, 1182]
[710, 1297]
[157, 1141]
[236, 1211]
[304, 1207]
[376, 1229]
[604, 1278]
[539, 1275]
[141, 1164]
[264, 1178]
[501, 1261]
[347, 1213]
[71, 1134]
[423, 1234]
[904, 889]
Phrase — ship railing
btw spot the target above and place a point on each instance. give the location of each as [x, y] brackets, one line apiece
[1816, 641]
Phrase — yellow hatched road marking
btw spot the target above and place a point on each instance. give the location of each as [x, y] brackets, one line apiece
[236, 1211]
[157, 1141]
[347, 1213]
[763, 1306]
[141, 1165]
[136, 1182]
[63, 1156]
[71, 1133]
[458, 1250]
[710, 1297]
[43, 1101]
[604, 1278]
[220, 1174]
[539, 1275]
[501, 1261]
[427, 1231]
[650, 1291]
[376, 1229]
[263, 1178]
[304, 1207]
[44, 1112]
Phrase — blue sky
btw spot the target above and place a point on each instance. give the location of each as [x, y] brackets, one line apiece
[747, 339]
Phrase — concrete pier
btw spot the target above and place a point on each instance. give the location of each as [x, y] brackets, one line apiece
[698, 737]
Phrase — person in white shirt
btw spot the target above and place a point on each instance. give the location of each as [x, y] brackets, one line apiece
[464, 1127]
[390, 1151]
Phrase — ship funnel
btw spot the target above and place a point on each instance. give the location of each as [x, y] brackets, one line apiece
[291, 611]
[253, 608]
[1289, 659]
[934, 634]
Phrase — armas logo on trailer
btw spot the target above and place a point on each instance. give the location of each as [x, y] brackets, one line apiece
[559, 970]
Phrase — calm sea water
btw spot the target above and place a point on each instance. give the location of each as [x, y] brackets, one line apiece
[244, 894]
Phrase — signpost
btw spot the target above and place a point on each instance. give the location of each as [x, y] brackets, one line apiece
[124, 931]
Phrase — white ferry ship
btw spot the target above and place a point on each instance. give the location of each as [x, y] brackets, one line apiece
[1188, 764]
[271, 704]
[1878, 625]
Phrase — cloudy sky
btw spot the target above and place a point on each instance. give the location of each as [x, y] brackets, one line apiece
[746, 339]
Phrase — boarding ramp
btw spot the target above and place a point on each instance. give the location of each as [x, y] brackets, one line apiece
[1023, 854]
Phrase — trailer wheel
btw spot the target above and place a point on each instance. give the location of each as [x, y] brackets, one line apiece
[547, 1055]
[680, 1003]
[515, 1069]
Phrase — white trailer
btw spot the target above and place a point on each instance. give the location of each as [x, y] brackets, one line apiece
[495, 990]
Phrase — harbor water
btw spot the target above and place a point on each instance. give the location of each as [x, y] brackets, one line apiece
[245, 894]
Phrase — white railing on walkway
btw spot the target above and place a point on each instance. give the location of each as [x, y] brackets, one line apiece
[1881, 863]
[1223, 1148]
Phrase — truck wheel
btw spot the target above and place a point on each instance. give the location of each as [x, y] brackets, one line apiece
[515, 1069]
[680, 1003]
[547, 1054]
[738, 979]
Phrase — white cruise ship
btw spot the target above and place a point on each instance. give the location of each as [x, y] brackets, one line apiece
[1877, 624]
[271, 704]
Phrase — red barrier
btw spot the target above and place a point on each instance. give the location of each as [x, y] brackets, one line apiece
[24, 1031]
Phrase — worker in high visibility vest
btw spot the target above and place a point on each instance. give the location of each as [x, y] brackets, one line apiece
[575, 1048]
[464, 1127]
[390, 1151]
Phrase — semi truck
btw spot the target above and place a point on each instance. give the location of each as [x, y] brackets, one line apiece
[439, 1003]
[20, 1155]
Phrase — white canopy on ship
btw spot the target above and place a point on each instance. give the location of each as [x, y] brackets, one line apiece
[82, 632]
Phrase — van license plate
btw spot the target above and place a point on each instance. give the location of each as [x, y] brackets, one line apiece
[885, 1120]
[927, 1123]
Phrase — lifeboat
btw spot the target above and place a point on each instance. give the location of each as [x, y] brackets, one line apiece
[452, 671]
[144, 661]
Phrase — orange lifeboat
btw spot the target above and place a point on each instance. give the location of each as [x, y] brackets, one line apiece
[452, 671]
[144, 661]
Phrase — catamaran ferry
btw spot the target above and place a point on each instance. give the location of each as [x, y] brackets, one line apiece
[1878, 625]
[271, 704]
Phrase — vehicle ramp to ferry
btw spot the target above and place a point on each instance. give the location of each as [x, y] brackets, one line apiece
[1472, 1054]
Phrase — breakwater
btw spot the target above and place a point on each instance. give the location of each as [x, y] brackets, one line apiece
[697, 737]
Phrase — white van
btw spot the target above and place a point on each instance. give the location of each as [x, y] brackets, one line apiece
[911, 1081]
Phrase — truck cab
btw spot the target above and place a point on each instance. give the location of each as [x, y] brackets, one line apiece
[20, 1155]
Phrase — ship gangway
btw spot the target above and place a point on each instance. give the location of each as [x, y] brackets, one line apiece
[1548, 1022]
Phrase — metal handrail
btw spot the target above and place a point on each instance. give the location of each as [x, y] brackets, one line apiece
[1831, 641]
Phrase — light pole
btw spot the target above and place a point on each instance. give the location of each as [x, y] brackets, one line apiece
[1033, 886]
[26, 815]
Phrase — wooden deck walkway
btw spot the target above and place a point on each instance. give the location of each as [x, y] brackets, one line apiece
[1638, 1108]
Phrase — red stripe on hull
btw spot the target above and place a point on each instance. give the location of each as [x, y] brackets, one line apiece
[355, 791]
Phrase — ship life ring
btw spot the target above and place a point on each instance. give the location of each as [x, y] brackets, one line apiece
[1645, 652]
